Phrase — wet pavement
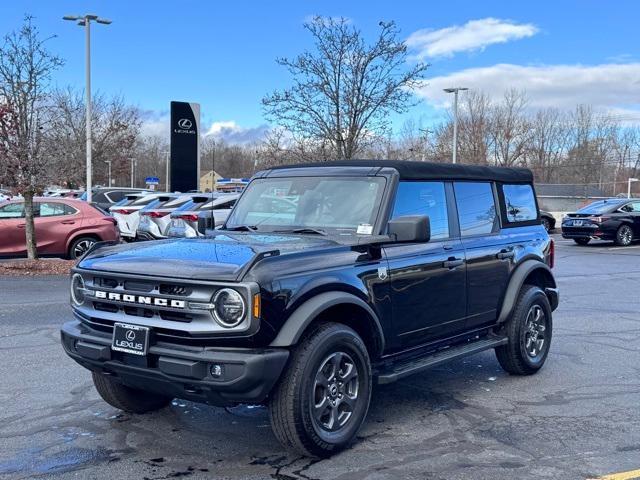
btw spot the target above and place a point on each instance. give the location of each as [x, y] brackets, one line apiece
[577, 418]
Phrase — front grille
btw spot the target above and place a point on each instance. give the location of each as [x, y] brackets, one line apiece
[177, 290]
[134, 286]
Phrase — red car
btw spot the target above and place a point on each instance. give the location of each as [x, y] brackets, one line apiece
[64, 227]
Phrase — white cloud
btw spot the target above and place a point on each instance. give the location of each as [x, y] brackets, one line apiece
[473, 35]
[609, 86]
[231, 132]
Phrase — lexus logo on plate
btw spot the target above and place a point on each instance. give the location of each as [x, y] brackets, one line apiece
[185, 123]
[131, 335]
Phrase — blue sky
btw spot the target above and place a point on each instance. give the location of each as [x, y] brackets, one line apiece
[222, 54]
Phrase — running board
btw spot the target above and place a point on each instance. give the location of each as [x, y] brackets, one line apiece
[403, 369]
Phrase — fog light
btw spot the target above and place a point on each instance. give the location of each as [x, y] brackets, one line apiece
[216, 370]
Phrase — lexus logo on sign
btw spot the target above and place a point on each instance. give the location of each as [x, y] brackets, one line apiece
[131, 335]
[185, 123]
[185, 126]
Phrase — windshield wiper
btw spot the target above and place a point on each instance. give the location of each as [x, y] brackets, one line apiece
[316, 231]
[244, 228]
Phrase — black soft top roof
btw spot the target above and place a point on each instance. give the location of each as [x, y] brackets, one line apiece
[409, 170]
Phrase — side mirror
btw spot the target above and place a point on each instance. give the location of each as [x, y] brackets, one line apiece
[205, 223]
[410, 228]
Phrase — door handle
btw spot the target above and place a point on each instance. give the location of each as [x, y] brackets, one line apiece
[453, 262]
[447, 247]
[68, 222]
[21, 225]
[505, 254]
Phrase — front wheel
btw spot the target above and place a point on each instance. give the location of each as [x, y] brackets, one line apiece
[582, 241]
[323, 396]
[529, 332]
[624, 236]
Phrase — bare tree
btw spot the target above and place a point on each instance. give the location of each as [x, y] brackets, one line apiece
[510, 129]
[26, 67]
[115, 128]
[343, 91]
[548, 142]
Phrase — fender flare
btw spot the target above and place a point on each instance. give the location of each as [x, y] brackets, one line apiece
[302, 317]
[515, 284]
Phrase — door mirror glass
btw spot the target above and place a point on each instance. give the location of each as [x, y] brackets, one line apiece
[410, 229]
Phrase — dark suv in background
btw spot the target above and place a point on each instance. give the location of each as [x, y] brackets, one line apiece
[616, 219]
[324, 279]
[106, 197]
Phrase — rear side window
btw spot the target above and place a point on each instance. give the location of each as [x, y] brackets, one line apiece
[424, 198]
[476, 208]
[520, 203]
[54, 209]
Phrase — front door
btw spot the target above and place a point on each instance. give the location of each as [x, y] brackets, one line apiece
[12, 234]
[428, 280]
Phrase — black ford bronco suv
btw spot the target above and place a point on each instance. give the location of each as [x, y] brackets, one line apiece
[325, 279]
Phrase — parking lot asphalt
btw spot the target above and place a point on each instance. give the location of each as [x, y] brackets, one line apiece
[578, 418]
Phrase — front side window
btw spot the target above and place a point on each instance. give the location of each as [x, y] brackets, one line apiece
[346, 205]
[476, 208]
[424, 198]
[12, 210]
[520, 203]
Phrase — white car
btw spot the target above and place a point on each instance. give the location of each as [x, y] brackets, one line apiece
[194, 219]
[155, 219]
[127, 211]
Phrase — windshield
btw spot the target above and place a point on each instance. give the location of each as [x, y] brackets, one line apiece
[597, 208]
[343, 204]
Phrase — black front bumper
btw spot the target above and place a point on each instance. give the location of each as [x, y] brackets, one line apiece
[248, 375]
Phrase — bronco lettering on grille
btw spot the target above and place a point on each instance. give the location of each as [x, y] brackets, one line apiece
[140, 299]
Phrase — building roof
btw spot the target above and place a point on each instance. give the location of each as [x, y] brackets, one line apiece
[409, 170]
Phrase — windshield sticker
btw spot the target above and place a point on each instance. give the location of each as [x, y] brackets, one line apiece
[364, 229]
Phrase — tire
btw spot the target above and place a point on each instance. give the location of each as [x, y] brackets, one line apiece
[128, 399]
[582, 241]
[546, 224]
[624, 235]
[309, 381]
[80, 246]
[519, 356]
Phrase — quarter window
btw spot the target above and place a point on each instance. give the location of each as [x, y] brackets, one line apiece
[476, 208]
[520, 203]
[424, 198]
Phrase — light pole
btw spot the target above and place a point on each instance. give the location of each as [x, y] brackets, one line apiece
[85, 21]
[133, 169]
[166, 175]
[455, 91]
[108, 162]
[629, 185]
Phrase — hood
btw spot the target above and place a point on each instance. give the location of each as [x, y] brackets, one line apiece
[225, 256]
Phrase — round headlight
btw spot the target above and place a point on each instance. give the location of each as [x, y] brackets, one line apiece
[229, 307]
[77, 289]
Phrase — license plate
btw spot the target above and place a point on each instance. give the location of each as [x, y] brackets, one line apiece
[578, 223]
[176, 223]
[130, 339]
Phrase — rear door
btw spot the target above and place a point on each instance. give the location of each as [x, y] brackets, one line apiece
[55, 222]
[635, 217]
[488, 252]
[427, 279]
[12, 236]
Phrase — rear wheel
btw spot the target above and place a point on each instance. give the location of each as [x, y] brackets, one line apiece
[546, 224]
[529, 331]
[582, 241]
[128, 399]
[324, 394]
[624, 236]
[80, 246]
